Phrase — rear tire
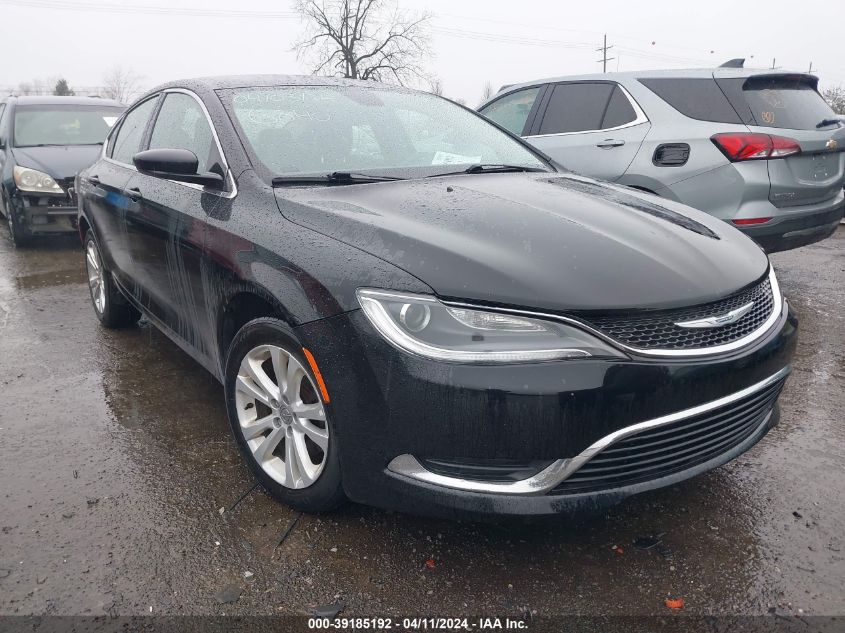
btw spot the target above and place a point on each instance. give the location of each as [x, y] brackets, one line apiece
[281, 424]
[110, 306]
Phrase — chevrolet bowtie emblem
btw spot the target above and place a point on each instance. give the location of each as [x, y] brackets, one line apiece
[832, 145]
[718, 321]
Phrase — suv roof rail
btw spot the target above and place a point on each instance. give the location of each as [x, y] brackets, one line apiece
[738, 62]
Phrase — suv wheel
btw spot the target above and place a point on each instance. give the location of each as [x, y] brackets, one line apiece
[110, 306]
[279, 417]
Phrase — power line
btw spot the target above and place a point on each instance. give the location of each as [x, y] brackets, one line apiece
[150, 9]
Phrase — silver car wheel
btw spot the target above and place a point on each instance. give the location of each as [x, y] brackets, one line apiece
[281, 416]
[95, 277]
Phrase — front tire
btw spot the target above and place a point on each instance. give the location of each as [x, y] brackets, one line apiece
[110, 306]
[279, 417]
[19, 235]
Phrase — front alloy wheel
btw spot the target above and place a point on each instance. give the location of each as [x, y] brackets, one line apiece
[281, 416]
[280, 419]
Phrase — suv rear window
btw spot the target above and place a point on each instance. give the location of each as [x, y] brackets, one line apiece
[778, 101]
[697, 98]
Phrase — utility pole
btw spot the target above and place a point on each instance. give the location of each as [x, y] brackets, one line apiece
[773, 63]
[604, 58]
[809, 72]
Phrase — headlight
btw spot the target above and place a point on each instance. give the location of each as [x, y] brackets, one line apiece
[421, 325]
[33, 180]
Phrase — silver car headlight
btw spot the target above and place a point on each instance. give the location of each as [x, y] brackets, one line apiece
[27, 179]
[422, 325]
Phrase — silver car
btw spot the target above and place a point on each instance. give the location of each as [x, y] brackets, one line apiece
[759, 149]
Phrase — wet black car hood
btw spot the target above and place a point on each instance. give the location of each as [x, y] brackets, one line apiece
[551, 242]
[59, 161]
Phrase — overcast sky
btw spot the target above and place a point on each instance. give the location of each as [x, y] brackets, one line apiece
[473, 40]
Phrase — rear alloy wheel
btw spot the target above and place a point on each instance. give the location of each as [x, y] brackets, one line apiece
[110, 306]
[279, 418]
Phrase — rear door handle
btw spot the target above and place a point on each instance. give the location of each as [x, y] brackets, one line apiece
[610, 142]
[94, 180]
[134, 194]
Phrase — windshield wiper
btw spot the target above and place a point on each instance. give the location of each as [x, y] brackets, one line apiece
[334, 178]
[491, 169]
[826, 122]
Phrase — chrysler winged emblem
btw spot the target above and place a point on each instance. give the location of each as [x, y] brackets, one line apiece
[718, 321]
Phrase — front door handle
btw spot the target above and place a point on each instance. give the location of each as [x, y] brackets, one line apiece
[134, 194]
[610, 142]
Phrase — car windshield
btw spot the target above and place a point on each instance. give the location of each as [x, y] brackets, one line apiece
[296, 130]
[63, 124]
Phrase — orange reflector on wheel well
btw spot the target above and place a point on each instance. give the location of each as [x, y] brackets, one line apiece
[320, 382]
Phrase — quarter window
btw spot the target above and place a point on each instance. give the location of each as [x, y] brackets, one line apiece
[619, 110]
[131, 132]
[577, 107]
[697, 98]
[511, 111]
[182, 124]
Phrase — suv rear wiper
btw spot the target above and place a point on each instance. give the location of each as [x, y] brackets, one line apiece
[491, 169]
[826, 122]
[334, 178]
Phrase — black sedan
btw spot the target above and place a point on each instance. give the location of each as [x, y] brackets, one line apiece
[409, 307]
[44, 142]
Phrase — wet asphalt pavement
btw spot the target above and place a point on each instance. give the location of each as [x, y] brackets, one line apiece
[116, 461]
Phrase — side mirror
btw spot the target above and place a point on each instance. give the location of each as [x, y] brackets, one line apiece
[175, 164]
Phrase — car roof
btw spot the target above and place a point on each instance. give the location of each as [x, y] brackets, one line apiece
[53, 100]
[721, 72]
[223, 82]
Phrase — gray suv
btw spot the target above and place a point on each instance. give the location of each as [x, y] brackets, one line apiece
[759, 149]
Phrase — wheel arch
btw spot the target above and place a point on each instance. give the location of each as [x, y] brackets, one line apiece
[243, 306]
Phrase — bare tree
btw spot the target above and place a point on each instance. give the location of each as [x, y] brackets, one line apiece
[363, 39]
[487, 92]
[835, 97]
[435, 86]
[120, 84]
[25, 88]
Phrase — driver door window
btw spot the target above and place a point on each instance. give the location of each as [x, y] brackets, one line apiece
[182, 124]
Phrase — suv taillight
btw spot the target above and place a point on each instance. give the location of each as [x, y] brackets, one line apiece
[750, 146]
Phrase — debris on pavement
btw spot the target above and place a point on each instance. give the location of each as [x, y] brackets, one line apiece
[674, 603]
[289, 529]
[329, 610]
[646, 543]
[228, 594]
[430, 563]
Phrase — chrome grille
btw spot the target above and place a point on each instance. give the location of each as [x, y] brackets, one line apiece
[658, 330]
[674, 447]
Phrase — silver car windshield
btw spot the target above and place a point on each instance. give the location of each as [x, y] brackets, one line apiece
[296, 130]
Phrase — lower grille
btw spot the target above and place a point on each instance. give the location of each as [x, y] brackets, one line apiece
[671, 448]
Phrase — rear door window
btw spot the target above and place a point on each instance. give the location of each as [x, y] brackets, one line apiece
[778, 101]
[511, 111]
[576, 107]
[697, 98]
[129, 137]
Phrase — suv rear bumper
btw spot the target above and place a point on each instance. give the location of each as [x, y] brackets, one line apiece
[796, 229]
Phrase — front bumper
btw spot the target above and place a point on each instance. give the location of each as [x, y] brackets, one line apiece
[386, 404]
[37, 215]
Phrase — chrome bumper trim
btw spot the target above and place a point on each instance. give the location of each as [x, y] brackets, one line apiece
[558, 471]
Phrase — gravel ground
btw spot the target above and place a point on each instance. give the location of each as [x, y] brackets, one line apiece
[123, 494]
